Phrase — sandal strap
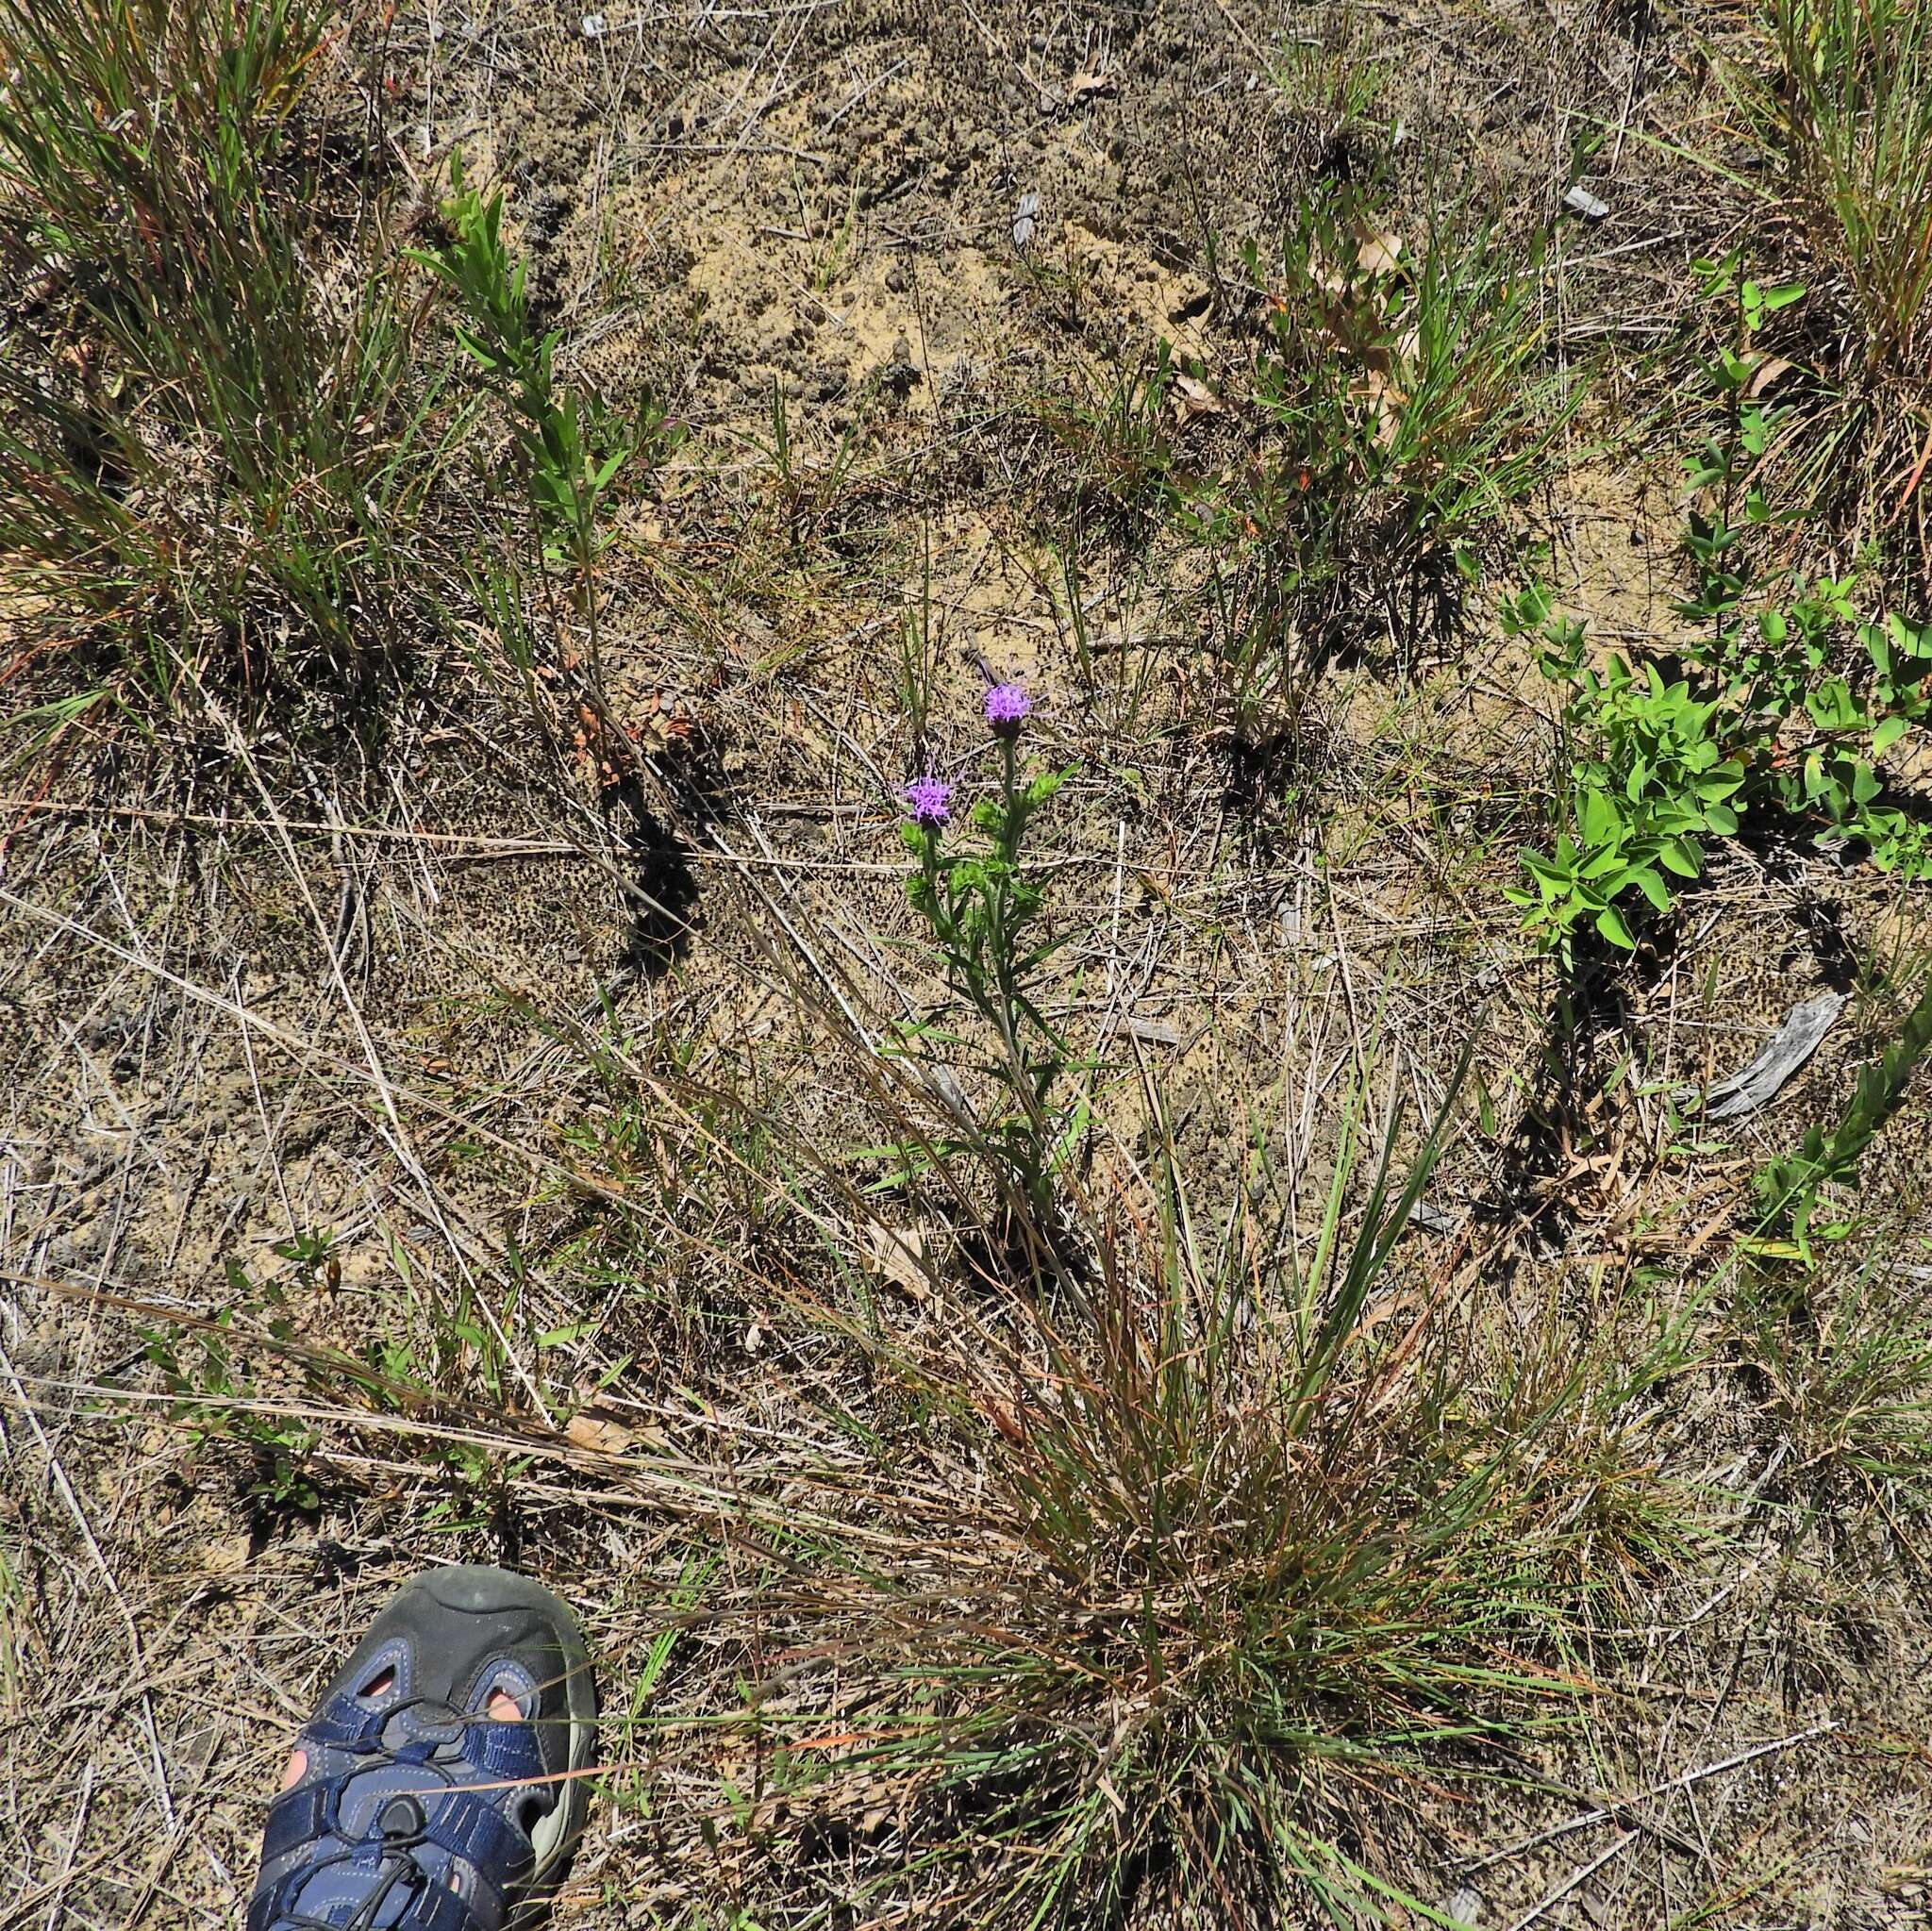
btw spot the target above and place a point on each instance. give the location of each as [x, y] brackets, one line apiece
[466, 1826]
[434, 1907]
[500, 1751]
[469, 1827]
[504, 1752]
[294, 1818]
[343, 1722]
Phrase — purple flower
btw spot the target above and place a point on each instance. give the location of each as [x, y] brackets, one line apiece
[1007, 706]
[931, 799]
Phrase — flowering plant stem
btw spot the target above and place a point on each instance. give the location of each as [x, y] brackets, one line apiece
[983, 906]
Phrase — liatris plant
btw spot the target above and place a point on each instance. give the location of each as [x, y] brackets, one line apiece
[984, 908]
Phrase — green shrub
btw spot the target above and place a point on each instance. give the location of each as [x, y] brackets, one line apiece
[1787, 706]
[1659, 772]
[568, 449]
[1654, 781]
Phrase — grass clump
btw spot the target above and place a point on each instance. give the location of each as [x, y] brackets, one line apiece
[216, 440]
[1837, 102]
[1409, 404]
[1111, 426]
[1852, 115]
[1131, 1548]
[1260, 1534]
[1339, 80]
[1409, 384]
[1848, 1367]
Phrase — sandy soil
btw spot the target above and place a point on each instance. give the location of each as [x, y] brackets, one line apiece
[224, 1025]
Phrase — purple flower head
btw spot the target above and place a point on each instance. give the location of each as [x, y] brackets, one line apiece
[1007, 706]
[931, 799]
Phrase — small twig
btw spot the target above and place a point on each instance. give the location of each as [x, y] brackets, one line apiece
[1620, 1808]
[464, 844]
[1571, 1883]
[1241, 33]
[106, 1574]
[74, 1837]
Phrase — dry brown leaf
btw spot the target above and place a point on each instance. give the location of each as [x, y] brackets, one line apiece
[1192, 397]
[608, 753]
[598, 1433]
[664, 719]
[1768, 371]
[1387, 401]
[1378, 254]
[903, 1255]
[1325, 276]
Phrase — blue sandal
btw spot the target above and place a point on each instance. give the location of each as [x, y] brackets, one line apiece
[416, 1810]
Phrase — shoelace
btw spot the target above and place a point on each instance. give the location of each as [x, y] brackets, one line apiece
[399, 1826]
[398, 1868]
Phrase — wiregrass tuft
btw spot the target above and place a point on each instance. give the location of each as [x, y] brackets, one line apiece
[215, 437]
[1180, 1552]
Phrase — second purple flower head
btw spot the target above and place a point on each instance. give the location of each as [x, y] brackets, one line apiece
[1007, 706]
[931, 801]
